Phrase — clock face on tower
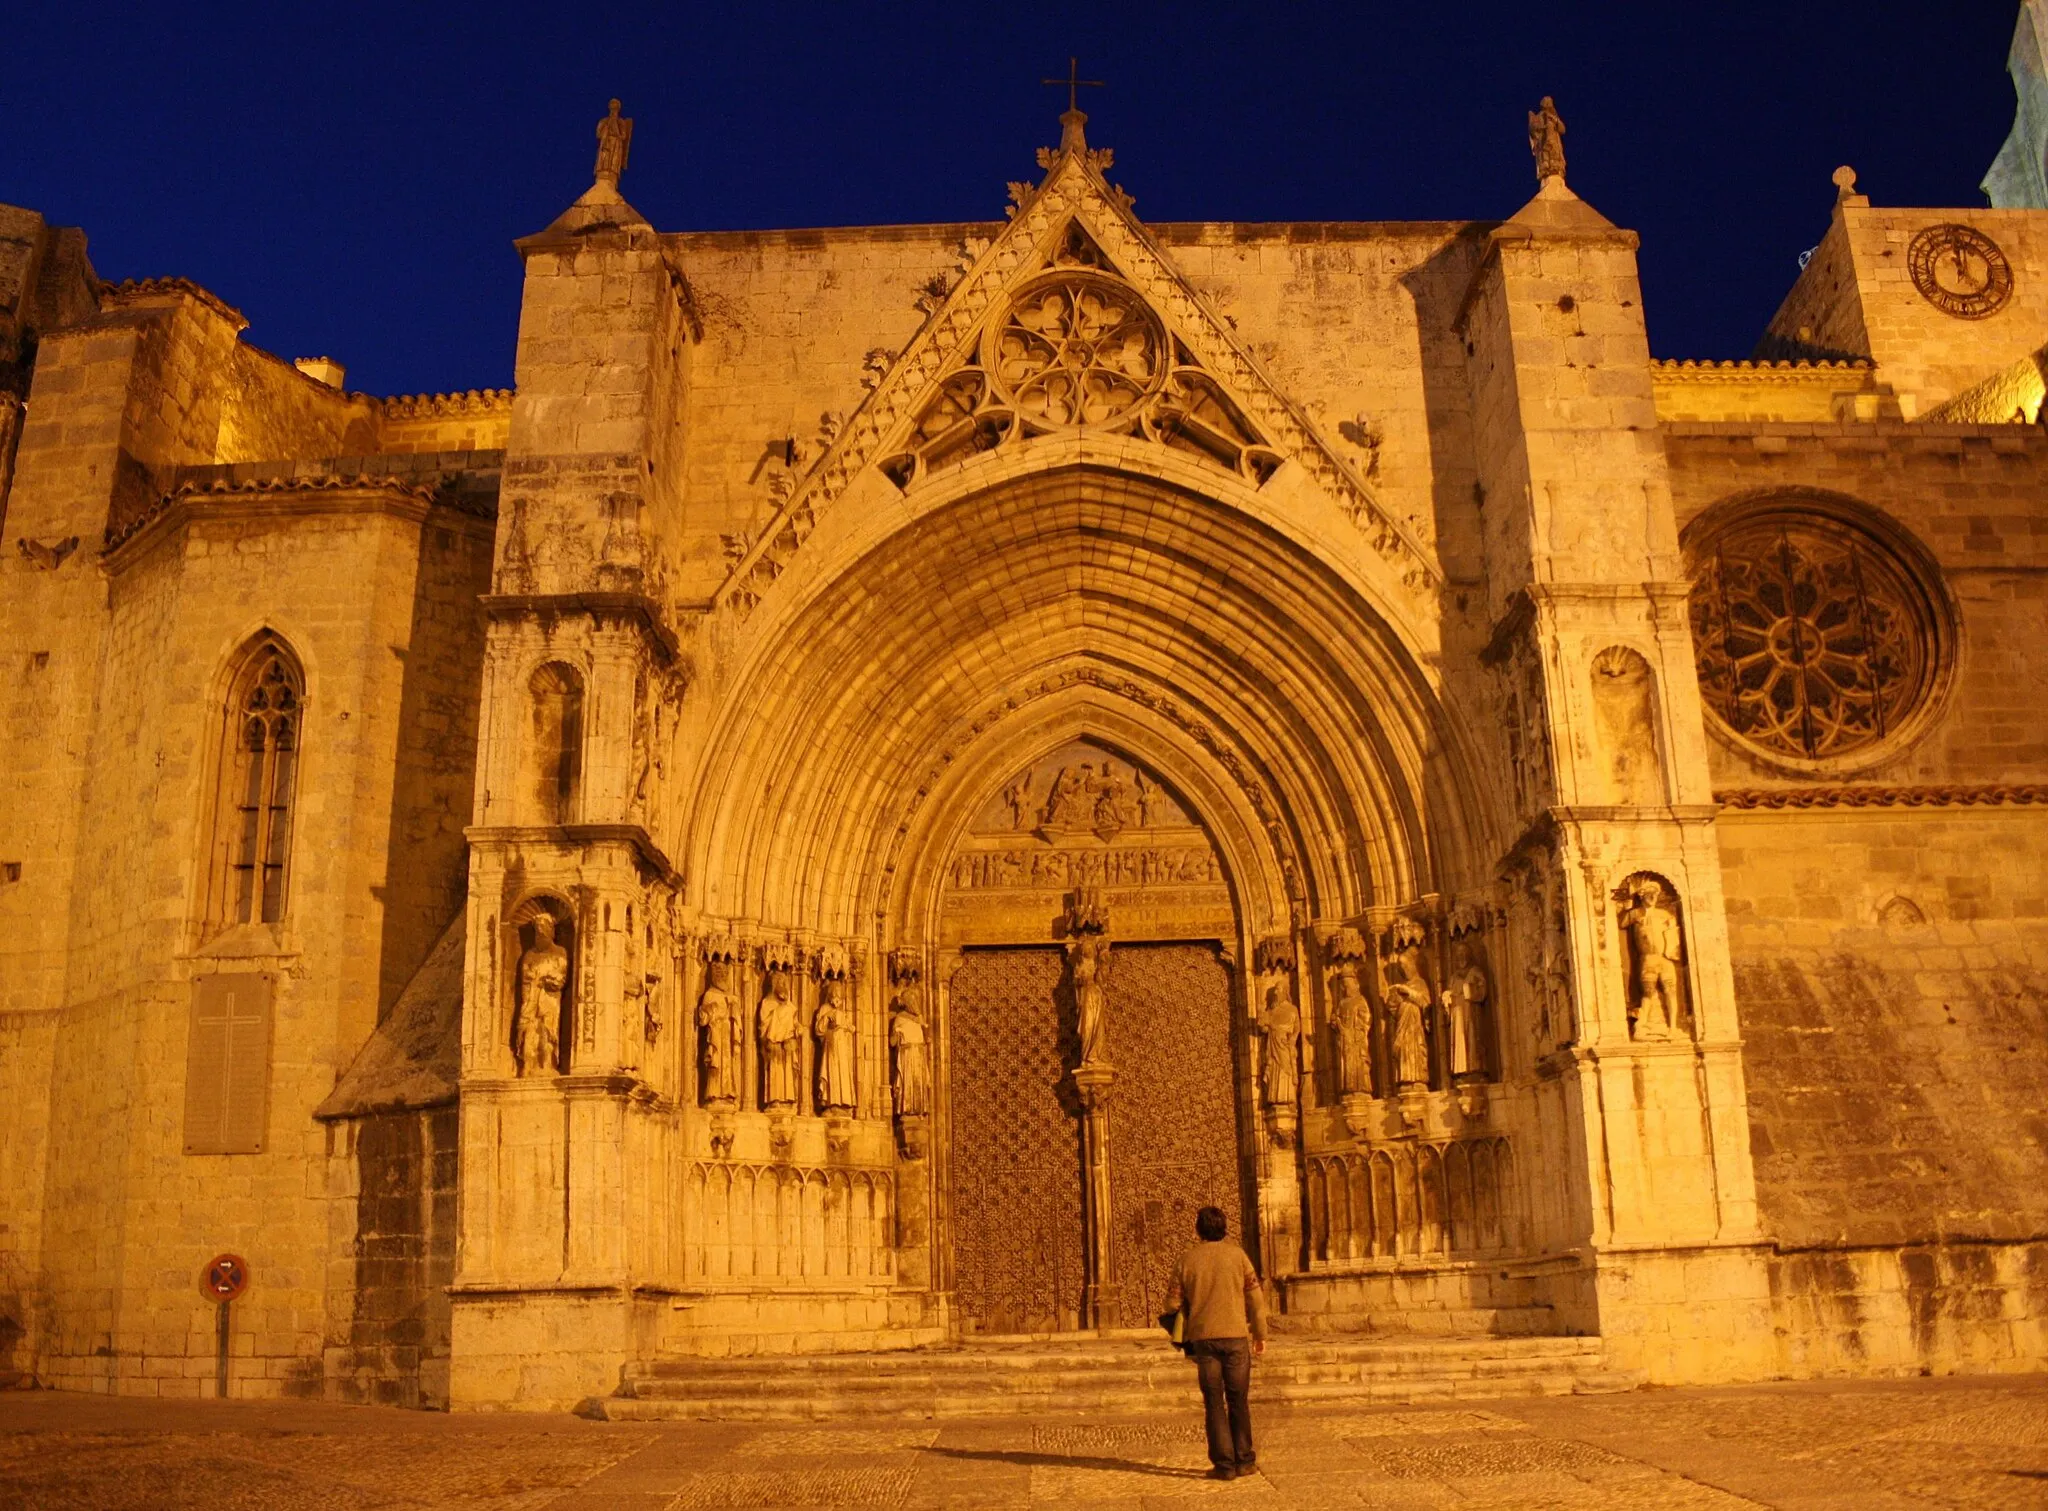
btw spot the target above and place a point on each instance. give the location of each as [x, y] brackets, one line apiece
[1960, 271]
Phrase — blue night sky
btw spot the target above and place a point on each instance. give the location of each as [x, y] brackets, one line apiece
[352, 178]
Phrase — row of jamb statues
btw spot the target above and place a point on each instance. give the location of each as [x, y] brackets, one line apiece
[779, 1029]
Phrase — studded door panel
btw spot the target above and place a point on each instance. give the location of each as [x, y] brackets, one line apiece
[1016, 1163]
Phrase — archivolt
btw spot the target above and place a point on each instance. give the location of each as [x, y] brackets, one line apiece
[1280, 681]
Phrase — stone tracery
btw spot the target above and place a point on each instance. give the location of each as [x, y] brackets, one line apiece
[1813, 640]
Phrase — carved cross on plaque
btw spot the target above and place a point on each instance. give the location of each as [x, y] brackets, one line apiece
[1075, 83]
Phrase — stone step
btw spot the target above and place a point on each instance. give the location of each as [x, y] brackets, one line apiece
[1129, 1375]
[1145, 1350]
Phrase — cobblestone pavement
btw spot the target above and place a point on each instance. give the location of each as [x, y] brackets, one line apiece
[1864, 1446]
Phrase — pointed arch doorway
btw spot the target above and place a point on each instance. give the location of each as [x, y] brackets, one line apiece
[1068, 1202]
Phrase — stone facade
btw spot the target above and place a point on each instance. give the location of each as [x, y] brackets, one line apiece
[897, 762]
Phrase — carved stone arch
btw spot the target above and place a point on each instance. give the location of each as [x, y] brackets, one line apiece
[1878, 582]
[1058, 575]
[1386, 1205]
[1299, 515]
[1460, 1212]
[1627, 714]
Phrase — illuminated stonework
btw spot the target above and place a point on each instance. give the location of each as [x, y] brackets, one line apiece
[1814, 640]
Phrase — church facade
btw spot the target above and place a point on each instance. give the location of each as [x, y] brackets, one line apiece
[897, 763]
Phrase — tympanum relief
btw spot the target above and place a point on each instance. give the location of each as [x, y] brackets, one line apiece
[1083, 818]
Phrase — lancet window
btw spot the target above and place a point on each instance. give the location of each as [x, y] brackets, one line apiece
[253, 824]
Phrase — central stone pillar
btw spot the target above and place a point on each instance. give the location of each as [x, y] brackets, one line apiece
[1101, 1297]
[1086, 926]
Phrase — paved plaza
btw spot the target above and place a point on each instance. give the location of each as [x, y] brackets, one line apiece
[1862, 1446]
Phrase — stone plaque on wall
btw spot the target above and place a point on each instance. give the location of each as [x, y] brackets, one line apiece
[1084, 817]
[227, 1065]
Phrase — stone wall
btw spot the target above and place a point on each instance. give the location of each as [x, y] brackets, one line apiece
[397, 1171]
[1889, 931]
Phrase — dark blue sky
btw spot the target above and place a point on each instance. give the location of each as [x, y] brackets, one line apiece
[352, 178]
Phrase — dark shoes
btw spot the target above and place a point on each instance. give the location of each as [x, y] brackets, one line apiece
[1223, 1472]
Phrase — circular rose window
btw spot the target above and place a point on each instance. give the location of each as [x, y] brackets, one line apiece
[1815, 640]
[1076, 348]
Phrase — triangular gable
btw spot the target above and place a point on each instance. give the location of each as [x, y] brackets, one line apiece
[1161, 364]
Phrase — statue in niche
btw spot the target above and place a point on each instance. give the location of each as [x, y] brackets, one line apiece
[833, 1023]
[1546, 141]
[907, 1037]
[543, 975]
[1656, 991]
[718, 1026]
[1088, 963]
[1351, 1024]
[1464, 1003]
[1408, 1002]
[1281, 1028]
[1017, 798]
[782, 1049]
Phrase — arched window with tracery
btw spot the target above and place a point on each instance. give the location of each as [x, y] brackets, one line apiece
[259, 767]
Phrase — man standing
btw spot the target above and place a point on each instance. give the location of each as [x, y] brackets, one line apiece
[1219, 1291]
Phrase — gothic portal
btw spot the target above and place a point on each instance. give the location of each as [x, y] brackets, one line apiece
[900, 762]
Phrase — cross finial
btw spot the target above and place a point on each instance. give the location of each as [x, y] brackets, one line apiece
[1075, 84]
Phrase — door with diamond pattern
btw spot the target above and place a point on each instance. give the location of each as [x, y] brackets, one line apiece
[1016, 1148]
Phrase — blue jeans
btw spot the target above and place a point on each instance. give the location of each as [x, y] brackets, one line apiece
[1224, 1366]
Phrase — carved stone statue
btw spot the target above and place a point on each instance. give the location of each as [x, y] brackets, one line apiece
[1546, 141]
[1351, 1023]
[1656, 990]
[1088, 962]
[614, 141]
[1148, 800]
[1464, 1003]
[833, 1023]
[782, 1049]
[543, 975]
[1067, 804]
[907, 1037]
[1281, 1027]
[718, 1028]
[1407, 1002]
[1114, 808]
[1017, 798]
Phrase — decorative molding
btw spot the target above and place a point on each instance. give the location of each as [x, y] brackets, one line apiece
[421, 406]
[280, 487]
[1950, 795]
[137, 290]
[1749, 372]
[1073, 190]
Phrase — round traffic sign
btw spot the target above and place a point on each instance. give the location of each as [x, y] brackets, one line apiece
[226, 1277]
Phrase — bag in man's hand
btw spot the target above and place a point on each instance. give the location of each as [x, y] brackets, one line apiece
[1175, 1323]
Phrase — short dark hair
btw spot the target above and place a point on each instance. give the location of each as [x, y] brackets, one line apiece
[1211, 1224]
